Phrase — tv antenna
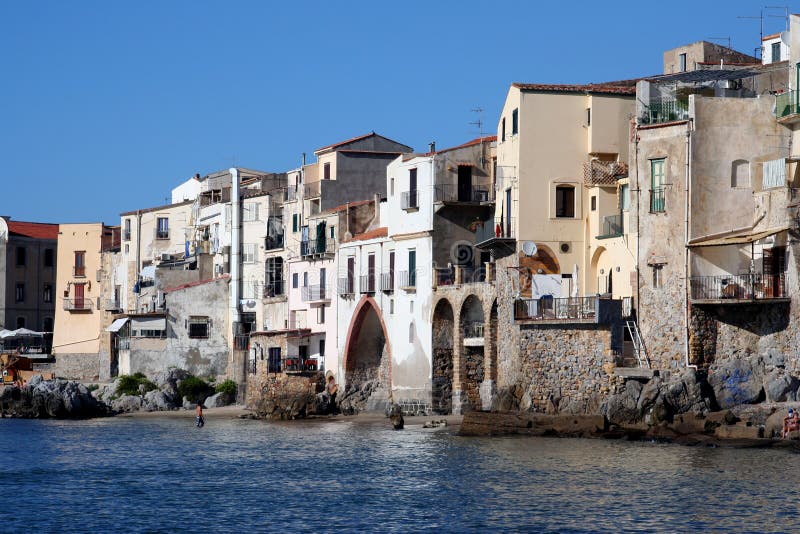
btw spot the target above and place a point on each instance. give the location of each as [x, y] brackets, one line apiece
[760, 19]
[785, 15]
[479, 122]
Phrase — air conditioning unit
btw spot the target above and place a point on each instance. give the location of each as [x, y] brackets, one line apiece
[166, 257]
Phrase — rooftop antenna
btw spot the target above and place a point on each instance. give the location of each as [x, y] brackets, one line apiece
[785, 15]
[479, 124]
[760, 18]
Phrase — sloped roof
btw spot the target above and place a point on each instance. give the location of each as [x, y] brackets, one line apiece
[33, 229]
[198, 283]
[619, 87]
[346, 142]
[383, 231]
[343, 207]
[476, 141]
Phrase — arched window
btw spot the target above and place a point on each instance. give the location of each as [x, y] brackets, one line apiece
[740, 173]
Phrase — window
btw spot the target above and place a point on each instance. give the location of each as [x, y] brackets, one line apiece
[410, 306]
[503, 129]
[371, 273]
[323, 275]
[274, 277]
[294, 280]
[774, 173]
[333, 232]
[411, 333]
[594, 203]
[305, 279]
[351, 275]
[624, 197]
[515, 122]
[740, 173]
[321, 348]
[126, 232]
[153, 327]
[295, 222]
[250, 212]
[49, 257]
[20, 322]
[682, 62]
[47, 324]
[391, 186]
[127, 248]
[21, 256]
[80, 263]
[326, 171]
[198, 327]
[250, 253]
[162, 228]
[19, 292]
[412, 268]
[565, 201]
[776, 51]
[657, 185]
[47, 293]
[274, 360]
[657, 273]
[321, 315]
[588, 116]
[391, 306]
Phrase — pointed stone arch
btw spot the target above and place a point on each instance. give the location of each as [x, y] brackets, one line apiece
[443, 358]
[471, 368]
[367, 361]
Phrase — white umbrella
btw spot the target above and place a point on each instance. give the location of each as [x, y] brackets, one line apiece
[25, 332]
[6, 333]
[575, 291]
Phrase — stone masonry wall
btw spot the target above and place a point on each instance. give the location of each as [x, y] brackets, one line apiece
[78, 366]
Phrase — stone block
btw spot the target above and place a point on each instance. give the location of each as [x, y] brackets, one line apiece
[738, 431]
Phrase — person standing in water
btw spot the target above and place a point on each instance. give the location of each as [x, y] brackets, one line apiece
[199, 413]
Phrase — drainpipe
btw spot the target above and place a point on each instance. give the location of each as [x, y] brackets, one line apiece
[138, 259]
[236, 227]
[686, 222]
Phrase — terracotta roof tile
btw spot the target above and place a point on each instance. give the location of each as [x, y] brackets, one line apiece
[621, 87]
[771, 36]
[33, 229]
[383, 231]
[476, 141]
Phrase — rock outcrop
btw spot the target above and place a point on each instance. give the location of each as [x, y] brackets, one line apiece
[60, 399]
[289, 397]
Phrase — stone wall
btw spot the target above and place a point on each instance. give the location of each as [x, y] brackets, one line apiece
[565, 368]
[79, 366]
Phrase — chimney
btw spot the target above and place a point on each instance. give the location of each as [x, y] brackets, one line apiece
[197, 176]
[432, 147]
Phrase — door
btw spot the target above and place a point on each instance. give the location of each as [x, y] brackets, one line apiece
[412, 268]
[773, 265]
[391, 270]
[508, 213]
[465, 183]
[412, 188]
[351, 274]
[79, 297]
[371, 272]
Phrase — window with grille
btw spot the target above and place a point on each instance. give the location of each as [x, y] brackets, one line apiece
[198, 327]
[565, 201]
[162, 228]
[21, 256]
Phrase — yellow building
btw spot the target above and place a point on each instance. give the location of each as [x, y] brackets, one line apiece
[561, 150]
[79, 319]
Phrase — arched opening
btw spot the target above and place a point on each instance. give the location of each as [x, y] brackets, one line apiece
[367, 360]
[442, 372]
[471, 323]
[598, 282]
[492, 375]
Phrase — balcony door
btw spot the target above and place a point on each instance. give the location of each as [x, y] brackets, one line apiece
[79, 296]
[464, 183]
[774, 265]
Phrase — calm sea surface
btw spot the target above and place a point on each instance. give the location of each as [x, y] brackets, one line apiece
[164, 475]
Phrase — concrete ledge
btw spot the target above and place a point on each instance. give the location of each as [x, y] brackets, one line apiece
[634, 372]
[499, 424]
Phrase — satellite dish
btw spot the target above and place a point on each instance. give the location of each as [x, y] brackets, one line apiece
[251, 304]
[529, 248]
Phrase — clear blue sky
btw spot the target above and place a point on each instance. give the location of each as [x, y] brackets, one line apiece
[107, 105]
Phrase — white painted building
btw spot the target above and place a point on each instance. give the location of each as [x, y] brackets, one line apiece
[775, 48]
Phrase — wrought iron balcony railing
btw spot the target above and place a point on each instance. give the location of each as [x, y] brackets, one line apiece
[314, 293]
[755, 286]
[84, 304]
[409, 199]
[787, 104]
[318, 247]
[346, 286]
[657, 204]
[472, 194]
[367, 283]
[387, 282]
[557, 309]
[407, 279]
[498, 228]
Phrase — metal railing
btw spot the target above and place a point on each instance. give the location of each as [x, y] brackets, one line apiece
[666, 110]
[162, 234]
[346, 286]
[272, 242]
[367, 283]
[612, 226]
[111, 304]
[472, 194]
[318, 247]
[314, 293]
[498, 228]
[84, 304]
[787, 104]
[657, 204]
[387, 282]
[409, 199]
[472, 330]
[297, 364]
[79, 270]
[273, 289]
[472, 275]
[444, 276]
[407, 279]
[756, 286]
[557, 309]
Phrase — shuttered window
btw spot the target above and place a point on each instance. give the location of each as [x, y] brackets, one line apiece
[774, 173]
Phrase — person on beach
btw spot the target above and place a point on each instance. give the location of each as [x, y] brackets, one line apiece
[199, 413]
[790, 423]
[331, 388]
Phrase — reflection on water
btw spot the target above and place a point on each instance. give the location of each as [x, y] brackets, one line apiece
[155, 474]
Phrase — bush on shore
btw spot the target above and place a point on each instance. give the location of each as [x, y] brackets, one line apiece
[135, 384]
[228, 387]
[194, 388]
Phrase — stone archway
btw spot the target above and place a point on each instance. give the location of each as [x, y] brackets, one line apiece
[595, 284]
[367, 360]
[491, 342]
[442, 371]
[471, 362]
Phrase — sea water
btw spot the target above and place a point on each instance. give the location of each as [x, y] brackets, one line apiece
[156, 474]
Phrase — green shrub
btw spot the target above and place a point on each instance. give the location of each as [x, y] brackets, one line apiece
[194, 388]
[93, 387]
[228, 387]
[129, 384]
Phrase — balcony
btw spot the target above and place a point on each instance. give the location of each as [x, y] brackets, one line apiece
[787, 107]
[738, 289]
[612, 226]
[315, 293]
[564, 310]
[407, 280]
[312, 190]
[409, 200]
[273, 289]
[657, 204]
[78, 305]
[241, 342]
[111, 305]
[296, 364]
[367, 284]
[273, 242]
[79, 271]
[162, 234]
[667, 110]
[346, 288]
[444, 276]
[469, 194]
[318, 248]
[497, 236]
[387, 282]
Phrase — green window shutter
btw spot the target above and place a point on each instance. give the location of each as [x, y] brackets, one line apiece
[294, 222]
